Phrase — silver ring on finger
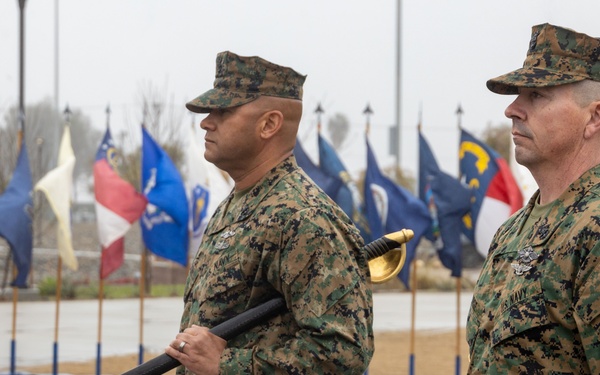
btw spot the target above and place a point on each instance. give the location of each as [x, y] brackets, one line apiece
[181, 346]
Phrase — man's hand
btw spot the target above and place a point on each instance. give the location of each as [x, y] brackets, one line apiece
[198, 350]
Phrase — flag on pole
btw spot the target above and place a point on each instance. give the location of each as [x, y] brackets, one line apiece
[198, 190]
[348, 196]
[57, 185]
[448, 201]
[118, 205]
[390, 208]
[496, 194]
[329, 184]
[15, 217]
[165, 221]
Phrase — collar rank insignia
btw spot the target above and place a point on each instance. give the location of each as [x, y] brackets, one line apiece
[527, 255]
[520, 269]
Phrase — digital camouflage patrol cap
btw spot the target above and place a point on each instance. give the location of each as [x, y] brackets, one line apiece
[556, 56]
[240, 80]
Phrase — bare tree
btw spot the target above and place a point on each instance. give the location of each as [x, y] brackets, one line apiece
[499, 138]
[162, 118]
[338, 127]
[43, 130]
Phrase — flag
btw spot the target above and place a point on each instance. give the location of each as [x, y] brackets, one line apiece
[448, 201]
[15, 217]
[165, 220]
[57, 185]
[329, 184]
[496, 194]
[390, 208]
[118, 205]
[348, 196]
[198, 190]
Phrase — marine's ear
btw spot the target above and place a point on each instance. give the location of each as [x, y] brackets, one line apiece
[592, 128]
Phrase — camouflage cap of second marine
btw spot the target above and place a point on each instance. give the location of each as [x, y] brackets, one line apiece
[242, 79]
[556, 56]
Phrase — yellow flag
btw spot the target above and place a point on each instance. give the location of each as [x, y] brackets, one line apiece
[57, 185]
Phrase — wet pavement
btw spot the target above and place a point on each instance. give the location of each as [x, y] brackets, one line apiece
[78, 324]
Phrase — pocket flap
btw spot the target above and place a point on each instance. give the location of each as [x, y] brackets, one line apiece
[525, 309]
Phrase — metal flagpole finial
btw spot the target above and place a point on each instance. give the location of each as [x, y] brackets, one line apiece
[319, 110]
[459, 112]
[368, 112]
[108, 115]
[67, 113]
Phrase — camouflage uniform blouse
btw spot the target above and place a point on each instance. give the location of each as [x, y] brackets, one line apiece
[536, 306]
[285, 237]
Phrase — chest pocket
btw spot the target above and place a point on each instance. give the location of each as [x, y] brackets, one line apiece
[523, 309]
[221, 280]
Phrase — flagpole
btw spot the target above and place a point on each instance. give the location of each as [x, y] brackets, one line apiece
[459, 112]
[13, 343]
[56, 316]
[101, 288]
[367, 112]
[21, 136]
[412, 358]
[15, 289]
[99, 345]
[319, 111]
[398, 86]
[411, 367]
[143, 259]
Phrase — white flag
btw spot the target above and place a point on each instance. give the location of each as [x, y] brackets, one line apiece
[57, 185]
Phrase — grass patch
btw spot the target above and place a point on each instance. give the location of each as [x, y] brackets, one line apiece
[111, 291]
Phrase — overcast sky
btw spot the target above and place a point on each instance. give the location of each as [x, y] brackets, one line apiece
[108, 50]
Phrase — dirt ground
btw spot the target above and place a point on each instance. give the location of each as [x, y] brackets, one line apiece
[434, 353]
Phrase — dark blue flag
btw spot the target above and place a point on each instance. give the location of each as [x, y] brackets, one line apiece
[15, 217]
[348, 196]
[165, 220]
[390, 208]
[330, 184]
[448, 201]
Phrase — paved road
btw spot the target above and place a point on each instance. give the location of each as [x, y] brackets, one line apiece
[78, 324]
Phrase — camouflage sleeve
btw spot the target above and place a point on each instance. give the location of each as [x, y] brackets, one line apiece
[325, 286]
[587, 307]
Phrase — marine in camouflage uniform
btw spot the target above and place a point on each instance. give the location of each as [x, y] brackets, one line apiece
[285, 237]
[281, 237]
[536, 305]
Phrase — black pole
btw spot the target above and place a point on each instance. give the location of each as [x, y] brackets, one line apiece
[265, 311]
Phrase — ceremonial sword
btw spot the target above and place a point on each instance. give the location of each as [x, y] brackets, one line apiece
[256, 315]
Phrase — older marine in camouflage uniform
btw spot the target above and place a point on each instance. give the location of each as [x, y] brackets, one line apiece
[283, 236]
[536, 305]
